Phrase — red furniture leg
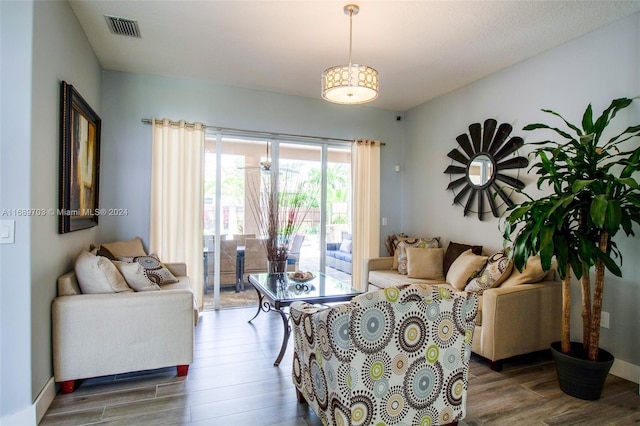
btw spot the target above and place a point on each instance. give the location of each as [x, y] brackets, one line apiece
[182, 370]
[68, 386]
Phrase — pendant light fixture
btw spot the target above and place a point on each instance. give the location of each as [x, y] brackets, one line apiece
[350, 84]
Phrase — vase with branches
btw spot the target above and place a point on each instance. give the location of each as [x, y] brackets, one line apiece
[593, 195]
[279, 207]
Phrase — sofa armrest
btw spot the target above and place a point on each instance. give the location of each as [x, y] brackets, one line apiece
[179, 269]
[520, 319]
[102, 334]
[378, 263]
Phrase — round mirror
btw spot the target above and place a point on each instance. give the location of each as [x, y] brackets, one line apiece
[484, 158]
[480, 171]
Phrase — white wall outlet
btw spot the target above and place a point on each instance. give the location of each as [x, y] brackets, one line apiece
[384, 221]
[604, 320]
[7, 231]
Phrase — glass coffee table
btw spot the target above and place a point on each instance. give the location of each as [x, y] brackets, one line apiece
[278, 291]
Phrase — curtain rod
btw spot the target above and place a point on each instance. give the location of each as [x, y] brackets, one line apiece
[262, 133]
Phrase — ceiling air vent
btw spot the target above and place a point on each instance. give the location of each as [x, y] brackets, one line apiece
[123, 26]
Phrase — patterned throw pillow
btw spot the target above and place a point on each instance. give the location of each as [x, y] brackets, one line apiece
[498, 269]
[401, 251]
[135, 276]
[154, 270]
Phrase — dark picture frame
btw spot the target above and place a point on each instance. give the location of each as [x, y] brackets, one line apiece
[79, 162]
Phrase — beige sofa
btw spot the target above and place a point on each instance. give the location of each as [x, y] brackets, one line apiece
[112, 333]
[512, 319]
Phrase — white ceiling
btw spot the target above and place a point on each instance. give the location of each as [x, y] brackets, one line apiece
[422, 49]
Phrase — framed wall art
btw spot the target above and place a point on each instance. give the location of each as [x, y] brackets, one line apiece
[79, 162]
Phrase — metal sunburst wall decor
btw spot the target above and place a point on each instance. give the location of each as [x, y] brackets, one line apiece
[487, 155]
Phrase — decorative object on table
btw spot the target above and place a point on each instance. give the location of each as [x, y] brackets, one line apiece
[79, 162]
[279, 207]
[301, 276]
[488, 153]
[593, 196]
[350, 84]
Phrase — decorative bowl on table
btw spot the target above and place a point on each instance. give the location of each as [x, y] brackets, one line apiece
[300, 276]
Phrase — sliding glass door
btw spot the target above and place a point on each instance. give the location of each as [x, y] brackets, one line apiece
[234, 165]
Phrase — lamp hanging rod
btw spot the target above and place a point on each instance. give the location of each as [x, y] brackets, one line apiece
[270, 135]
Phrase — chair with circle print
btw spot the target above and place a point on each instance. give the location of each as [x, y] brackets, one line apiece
[393, 356]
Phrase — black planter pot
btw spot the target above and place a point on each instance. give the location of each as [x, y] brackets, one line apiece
[578, 376]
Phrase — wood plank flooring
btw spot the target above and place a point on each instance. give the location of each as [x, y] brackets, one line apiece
[233, 382]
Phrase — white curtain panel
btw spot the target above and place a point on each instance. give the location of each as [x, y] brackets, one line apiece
[177, 197]
[365, 157]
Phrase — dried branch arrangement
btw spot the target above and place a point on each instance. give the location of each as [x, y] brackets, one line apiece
[280, 213]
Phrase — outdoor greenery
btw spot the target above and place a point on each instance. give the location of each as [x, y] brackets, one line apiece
[594, 194]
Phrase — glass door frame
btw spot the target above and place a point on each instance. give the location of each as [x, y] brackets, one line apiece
[275, 160]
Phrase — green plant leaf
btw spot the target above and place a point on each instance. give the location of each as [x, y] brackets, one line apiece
[609, 263]
[587, 120]
[613, 217]
[598, 210]
[580, 184]
[546, 245]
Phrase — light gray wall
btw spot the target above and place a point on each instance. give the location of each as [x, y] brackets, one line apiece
[595, 68]
[42, 44]
[126, 154]
[16, 27]
[61, 51]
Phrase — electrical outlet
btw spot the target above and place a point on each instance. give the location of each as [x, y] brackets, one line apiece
[384, 221]
[604, 320]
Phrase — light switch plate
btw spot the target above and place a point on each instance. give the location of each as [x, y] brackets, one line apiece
[7, 231]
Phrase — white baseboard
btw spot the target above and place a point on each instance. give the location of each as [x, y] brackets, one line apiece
[626, 370]
[33, 413]
[44, 399]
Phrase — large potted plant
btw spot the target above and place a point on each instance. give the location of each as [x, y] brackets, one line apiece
[593, 195]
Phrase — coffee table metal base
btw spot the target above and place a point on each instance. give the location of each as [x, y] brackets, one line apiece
[265, 306]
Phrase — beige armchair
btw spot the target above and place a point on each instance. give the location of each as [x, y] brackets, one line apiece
[394, 356]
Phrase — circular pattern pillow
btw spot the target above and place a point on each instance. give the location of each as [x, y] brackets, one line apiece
[498, 269]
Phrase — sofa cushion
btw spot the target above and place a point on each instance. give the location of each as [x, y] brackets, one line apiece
[454, 250]
[96, 274]
[463, 268]
[384, 278]
[401, 251]
[135, 276]
[425, 263]
[498, 269]
[531, 273]
[129, 248]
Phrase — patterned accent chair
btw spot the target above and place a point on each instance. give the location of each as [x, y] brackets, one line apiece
[393, 356]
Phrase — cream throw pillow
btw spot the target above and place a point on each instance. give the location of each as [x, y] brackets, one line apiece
[463, 268]
[135, 276]
[532, 273]
[401, 250]
[425, 263]
[96, 274]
